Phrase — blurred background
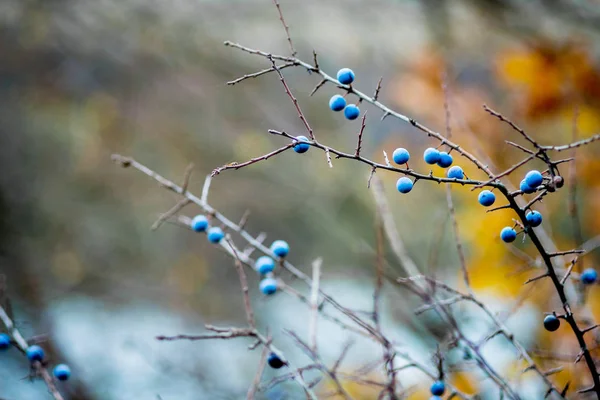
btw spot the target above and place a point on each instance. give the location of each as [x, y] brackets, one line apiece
[80, 80]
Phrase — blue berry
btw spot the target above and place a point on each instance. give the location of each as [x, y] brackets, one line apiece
[551, 323]
[404, 185]
[351, 112]
[534, 179]
[435, 398]
[508, 234]
[35, 353]
[62, 372]
[445, 160]
[4, 341]
[438, 388]
[301, 147]
[431, 156]
[534, 218]
[345, 76]
[401, 156]
[589, 276]
[199, 223]
[337, 103]
[280, 248]
[274, 361]
[264, 264]
[455, 172]
[215, 234]
[268, 286]
[525, 188]
[487, 198]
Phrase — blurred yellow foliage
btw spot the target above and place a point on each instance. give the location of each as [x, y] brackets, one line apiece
[552, 77]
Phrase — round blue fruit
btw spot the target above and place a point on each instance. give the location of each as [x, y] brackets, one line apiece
[438, 388]
[264, 264]
[589, 276]
[199, 223]
[280, 248]
[404, 185]
[431, 156]
[508, 234]
[534, 218]
[445, 160]
[351, 112]
[486, 198]
[268, 286]
[345, 76]
[215, 234]
[337, 103]
[534, 179]
[551, 323]
[302, 146]
[274, 361]
[62, 372]
[401, 156]
[35, 353]
[455, 172]
[4, 341]
[525, 188]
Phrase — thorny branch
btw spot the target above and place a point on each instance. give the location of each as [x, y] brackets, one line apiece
[21, 343]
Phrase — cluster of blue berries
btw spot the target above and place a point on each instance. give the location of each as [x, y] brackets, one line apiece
[533, 179]
[431, 156]
[214, 234]
[338, 103]
[265, 265]
[437, 389]
[62, 372]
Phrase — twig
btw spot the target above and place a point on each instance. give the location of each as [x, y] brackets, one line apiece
[378, 89]
[235, 165]
[459, 247]
[294, 100]
[259, 73]
[574, 144]
[243, 283]
[360, 134]
[174, 210]
[314, 303]
[285, 26]
[513, 125]
[262, 363]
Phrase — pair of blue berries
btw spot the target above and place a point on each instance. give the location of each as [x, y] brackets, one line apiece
[62, 372]
[265, 265]
[338, 103]
[441, 158]
[534, 219]
[200, 224]
[530, 183]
